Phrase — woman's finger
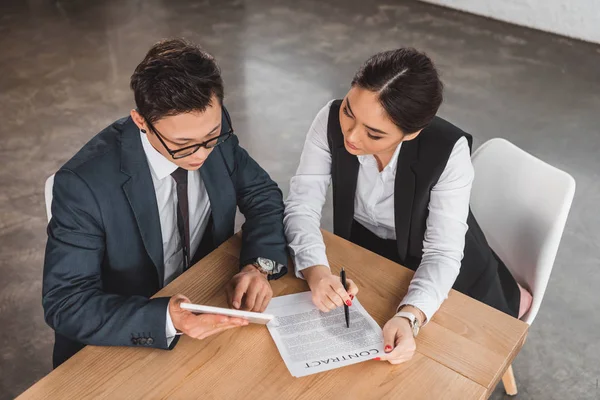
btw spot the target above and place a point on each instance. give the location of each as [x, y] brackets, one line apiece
[341, 295]
[389, 338]
[352, 288]
[401, 360]
[335, 296]
[317, 301]
[404, 350]
[391, 352]
[321, 306]
[329, 303]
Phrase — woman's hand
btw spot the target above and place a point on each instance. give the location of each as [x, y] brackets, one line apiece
[327, 290]
[398, 340]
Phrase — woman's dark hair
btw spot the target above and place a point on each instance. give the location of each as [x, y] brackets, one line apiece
[175, 77]
[408, 86]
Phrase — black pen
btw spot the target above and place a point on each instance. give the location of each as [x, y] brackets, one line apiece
[346, 309]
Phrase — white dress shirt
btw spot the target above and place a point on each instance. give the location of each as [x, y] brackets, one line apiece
[165, 189]
[444, 239]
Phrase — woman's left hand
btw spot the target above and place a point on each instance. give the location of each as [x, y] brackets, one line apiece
[399, 343]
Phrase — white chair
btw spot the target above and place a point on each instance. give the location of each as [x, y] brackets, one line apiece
[48, 195]
[521, 204]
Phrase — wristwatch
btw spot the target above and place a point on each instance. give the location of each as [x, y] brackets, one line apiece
[264, 265]
[412, 320]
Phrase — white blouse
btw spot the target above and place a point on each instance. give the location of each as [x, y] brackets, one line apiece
[444, 239]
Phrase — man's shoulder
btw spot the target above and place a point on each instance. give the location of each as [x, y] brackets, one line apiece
[229, 147]
[100, 151]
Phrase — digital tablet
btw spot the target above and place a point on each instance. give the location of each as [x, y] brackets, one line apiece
[254, 317]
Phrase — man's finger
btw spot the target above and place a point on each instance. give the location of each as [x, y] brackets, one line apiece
[238, 293]
[214, 319]
[258, 301]
[206, 334]
[193, 320]
[252, 295]
[209, 322]
[237, 320]
[266, 300]
[179, 298]
[229, 294]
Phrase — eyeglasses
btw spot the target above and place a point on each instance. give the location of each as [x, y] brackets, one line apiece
[189, 150]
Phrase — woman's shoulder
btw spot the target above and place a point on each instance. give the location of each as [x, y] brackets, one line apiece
[443, 131]
[323, 114]
[317, 133]
[321, 120]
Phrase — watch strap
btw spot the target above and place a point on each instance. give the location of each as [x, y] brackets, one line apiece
[412, 320]
[279, 270]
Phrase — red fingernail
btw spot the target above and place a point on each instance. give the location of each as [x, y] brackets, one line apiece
[388, 348]
[348, 303]
[377, 359]
[352, 297]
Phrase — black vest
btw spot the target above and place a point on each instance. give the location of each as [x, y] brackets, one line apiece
[420, 164]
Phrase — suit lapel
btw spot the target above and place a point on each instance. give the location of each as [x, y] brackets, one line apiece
[404, 193]
[139, 190]
[220, 194]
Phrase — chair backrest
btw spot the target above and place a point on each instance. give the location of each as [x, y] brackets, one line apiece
[521, 204]
[48, 195]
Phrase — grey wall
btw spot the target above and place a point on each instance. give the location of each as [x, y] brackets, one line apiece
[579, 19]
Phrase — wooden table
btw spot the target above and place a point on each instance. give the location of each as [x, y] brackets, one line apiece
[461, 354]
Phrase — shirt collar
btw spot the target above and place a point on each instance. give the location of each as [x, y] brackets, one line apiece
[363, 159]
[159, 165]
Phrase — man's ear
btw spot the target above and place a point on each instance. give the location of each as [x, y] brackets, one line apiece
[138, 120]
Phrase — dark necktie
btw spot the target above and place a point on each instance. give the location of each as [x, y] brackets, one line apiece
[183, 216]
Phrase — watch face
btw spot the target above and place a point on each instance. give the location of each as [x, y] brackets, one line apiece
[267, 265]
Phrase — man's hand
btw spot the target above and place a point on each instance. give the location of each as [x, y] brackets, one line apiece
[199, 326]
[328, 293]
[249, 290]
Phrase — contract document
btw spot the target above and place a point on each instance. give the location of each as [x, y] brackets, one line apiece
[311, 341]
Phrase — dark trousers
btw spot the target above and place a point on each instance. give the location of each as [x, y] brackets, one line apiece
[502, 292]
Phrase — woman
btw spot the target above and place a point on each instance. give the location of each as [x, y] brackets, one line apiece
[401, 184]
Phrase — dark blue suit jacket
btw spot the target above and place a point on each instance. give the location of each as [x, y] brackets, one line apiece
[104, 256]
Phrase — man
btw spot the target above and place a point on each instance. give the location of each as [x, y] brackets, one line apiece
[144, 200]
